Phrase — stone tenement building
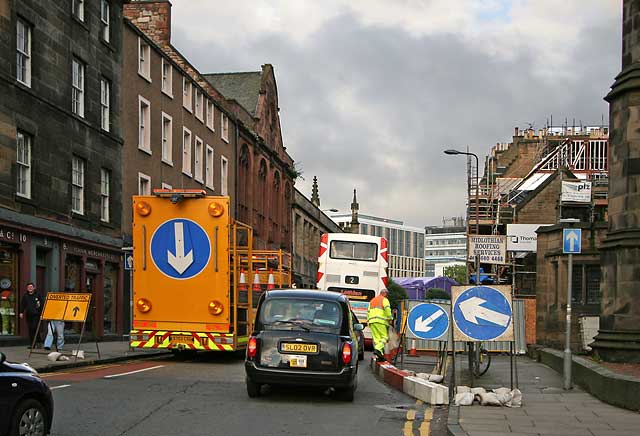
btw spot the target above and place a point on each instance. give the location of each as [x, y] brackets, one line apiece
[619, 335]
[61, 142]
[260, 173]
[181, 136]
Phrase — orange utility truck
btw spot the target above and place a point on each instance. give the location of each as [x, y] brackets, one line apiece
[194, 273]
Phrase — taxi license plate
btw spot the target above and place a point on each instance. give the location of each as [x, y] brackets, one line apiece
[299, 348]
[181, 339]
[298, 361]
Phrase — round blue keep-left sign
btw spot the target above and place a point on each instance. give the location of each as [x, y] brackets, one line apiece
[482, 313]
[428, 321]
[180, 248]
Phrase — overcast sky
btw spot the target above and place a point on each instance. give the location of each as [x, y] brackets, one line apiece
[372, 91]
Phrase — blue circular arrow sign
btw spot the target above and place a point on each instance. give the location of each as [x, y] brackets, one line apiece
[180, 248]
[482, 313]
[428, 321]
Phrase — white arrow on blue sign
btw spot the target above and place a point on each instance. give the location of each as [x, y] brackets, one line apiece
[180, 248]
[428, 321]
[482, 313]
[571, 241]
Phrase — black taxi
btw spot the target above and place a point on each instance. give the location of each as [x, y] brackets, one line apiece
[303, 337]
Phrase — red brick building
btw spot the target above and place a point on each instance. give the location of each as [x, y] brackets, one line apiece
[265, 171]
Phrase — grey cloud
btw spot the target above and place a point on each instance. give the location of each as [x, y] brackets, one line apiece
[420, 94]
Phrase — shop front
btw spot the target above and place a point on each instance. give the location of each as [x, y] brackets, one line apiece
[98, 271]
[14, 252]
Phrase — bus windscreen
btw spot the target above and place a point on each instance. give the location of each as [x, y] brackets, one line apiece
[347, 250]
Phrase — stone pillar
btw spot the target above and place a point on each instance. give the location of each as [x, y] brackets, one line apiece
[618, 339]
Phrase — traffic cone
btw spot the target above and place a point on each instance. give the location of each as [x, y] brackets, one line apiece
[242, 284]
[256, 282]
[271, 284]
[412, 350]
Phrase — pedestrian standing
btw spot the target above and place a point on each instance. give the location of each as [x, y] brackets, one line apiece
[54, 328]
[31, 308]
[378, 317]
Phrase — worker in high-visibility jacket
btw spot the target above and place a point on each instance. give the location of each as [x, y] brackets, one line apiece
[379, 317]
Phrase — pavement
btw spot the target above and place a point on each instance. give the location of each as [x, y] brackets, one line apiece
[546, 409]
[110, 352]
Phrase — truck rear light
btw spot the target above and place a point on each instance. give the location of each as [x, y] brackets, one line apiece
[215, 307]
[216, 209]
[143, 305]
[252, 347]
[346, 353]
[143, 208]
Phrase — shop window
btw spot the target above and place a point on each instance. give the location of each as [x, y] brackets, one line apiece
[8, 290]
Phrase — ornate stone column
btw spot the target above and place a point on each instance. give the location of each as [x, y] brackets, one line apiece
[618, 339]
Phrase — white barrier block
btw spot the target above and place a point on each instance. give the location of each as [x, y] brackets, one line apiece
[430, 392]
[409, 386]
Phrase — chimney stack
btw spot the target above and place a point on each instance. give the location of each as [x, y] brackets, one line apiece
[153, 17]
[516, 131]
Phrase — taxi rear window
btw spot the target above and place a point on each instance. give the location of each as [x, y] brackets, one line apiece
[303, 312]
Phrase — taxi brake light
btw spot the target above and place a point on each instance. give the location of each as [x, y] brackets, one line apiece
[346, 353]
[252, 347]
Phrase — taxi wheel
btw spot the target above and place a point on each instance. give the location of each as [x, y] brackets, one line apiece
[253, 389]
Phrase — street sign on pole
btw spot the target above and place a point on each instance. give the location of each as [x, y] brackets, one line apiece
[128, 261]
[428, 321]
[180, 248]
[482, 313]
[571, 241]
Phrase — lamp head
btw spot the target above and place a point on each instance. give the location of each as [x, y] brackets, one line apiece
[451, 152]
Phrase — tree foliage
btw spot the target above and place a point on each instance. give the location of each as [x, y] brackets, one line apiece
[456, 272]
[437, 294]
[396, 294]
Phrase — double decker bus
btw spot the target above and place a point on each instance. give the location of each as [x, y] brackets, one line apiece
[356, 266]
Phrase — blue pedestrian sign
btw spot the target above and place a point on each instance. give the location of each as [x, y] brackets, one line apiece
[482, 313]
[180, 248]
[571, 241]
[428, 321]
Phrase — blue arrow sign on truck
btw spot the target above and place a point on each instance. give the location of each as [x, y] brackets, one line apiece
[428, 321]
[482, 313]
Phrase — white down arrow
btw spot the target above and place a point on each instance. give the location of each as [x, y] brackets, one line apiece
[424, 325]
[180, 262]
[472, 309]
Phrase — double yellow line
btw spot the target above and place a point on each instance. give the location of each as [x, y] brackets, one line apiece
[425, 426]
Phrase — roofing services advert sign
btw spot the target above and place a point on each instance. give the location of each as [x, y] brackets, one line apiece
[490, 248]
[579, 192]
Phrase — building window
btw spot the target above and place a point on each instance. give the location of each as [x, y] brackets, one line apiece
[144, 59]
[186, 94]
[104, 20]
[167, 78]
[199, 105]
[224, 126]
[77, 7]
[209, 168]
[224, 175]
[144, 125]
[23, 159]
[144, 184]
[23, 52]
[77, 185]
[593, 284]
[105, 180]
[77, 91]
[167, 139]
[198, 159]
[105, 87]
[186, 151]
[210, 115]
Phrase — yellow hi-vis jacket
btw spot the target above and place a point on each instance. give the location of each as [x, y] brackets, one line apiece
[379, 310]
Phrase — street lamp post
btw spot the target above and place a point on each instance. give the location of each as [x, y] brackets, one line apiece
[455, 152]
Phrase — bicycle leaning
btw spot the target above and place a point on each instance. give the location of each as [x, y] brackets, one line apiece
[479, 359]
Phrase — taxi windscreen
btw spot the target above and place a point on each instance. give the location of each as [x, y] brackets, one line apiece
[305, 314]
